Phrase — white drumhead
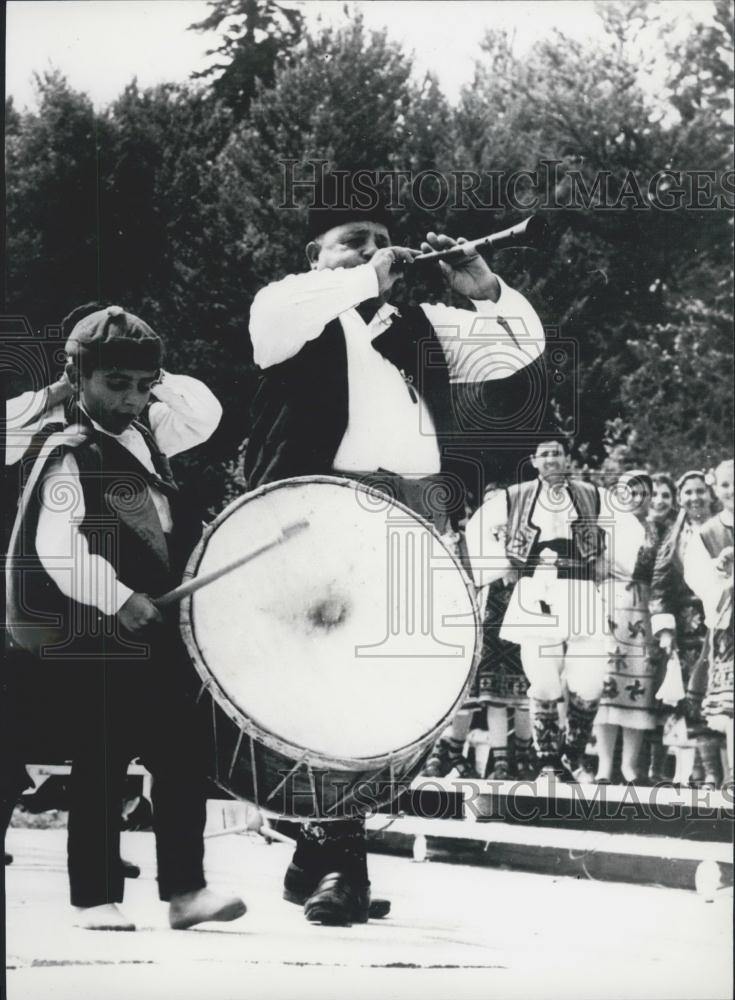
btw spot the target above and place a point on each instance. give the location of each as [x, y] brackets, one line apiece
[352, 639]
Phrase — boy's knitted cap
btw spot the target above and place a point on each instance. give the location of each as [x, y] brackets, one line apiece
[113, 338]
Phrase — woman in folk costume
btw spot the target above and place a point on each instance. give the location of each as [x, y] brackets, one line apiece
[677, 615]
[662, 513]
[628, 697]
[708, 570]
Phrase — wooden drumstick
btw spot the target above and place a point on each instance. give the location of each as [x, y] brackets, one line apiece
[197, 582]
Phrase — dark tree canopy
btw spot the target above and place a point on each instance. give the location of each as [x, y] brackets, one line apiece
[170, 201]
[255, 34]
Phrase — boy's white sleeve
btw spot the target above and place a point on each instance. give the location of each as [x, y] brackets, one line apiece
[62, 548]
[183, 413]
[25, 415]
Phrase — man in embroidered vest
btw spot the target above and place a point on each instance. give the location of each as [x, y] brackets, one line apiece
[546, 532]
[101, 525]
[352, 386]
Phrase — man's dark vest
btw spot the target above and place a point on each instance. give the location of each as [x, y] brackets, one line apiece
[522, 544]
[120, 524]
[301, 408]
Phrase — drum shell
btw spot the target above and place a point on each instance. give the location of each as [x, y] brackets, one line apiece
[247, 767]
[284, 778]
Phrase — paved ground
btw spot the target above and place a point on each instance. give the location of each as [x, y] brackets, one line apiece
[456, 933]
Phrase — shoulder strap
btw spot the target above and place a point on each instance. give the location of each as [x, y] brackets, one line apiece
[55, 444]
[160, 461]
[401, 343]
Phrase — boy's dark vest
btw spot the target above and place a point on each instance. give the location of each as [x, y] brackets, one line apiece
[579, 555]
[120, 524]
[301, 408]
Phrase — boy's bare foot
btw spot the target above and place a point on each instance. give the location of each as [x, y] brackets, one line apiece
[189, 908]
[106, 917]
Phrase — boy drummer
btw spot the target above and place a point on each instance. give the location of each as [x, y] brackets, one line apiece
[100, 526]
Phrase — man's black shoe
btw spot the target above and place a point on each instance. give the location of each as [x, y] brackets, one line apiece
[50, 794]
[297, 887]
[338, 902]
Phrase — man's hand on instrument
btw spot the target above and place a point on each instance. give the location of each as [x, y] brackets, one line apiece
[385, 260]
[138, 614]
[470, 275]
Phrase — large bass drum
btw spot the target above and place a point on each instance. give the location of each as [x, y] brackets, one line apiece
[329, 664]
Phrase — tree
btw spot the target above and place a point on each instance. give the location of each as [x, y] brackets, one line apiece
[678, 400]
[174, 202]
[53, 165]
[344, 101]
[170, 254]
[582, 110]
[255, 34]
[702, 77]
[160, 205]
[123, 206]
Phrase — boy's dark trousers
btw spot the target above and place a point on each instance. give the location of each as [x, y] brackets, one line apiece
[136, 709]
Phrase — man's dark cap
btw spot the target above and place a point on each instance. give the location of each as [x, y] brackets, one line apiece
[113, 338]
[339, 199]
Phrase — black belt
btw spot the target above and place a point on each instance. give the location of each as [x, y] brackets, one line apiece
[566, 569]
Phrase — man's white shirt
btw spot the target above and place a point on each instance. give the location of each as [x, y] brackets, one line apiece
[386, 428]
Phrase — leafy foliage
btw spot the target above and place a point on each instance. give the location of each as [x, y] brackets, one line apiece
[255, 34]
[170, 201]
[679, 397]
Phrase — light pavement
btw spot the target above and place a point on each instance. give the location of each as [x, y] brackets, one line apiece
[456, 933]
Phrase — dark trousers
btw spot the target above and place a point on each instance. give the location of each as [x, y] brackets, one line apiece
[105, 714]
[36, 723]
[341, 845]
[135, 710]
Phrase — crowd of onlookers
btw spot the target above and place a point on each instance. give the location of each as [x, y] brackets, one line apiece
[666, 712]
